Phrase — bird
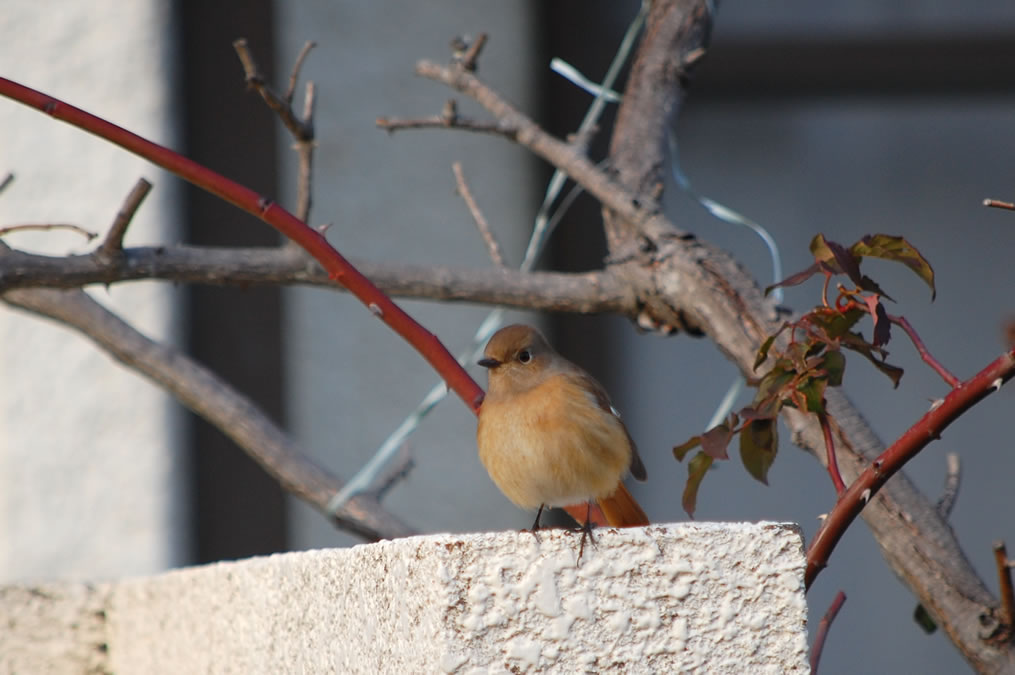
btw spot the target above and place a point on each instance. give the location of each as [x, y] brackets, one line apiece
[548, 434]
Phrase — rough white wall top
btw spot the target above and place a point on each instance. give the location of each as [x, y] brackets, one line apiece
[716, 598]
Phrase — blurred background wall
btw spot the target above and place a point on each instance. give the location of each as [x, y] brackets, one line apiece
[845, 118]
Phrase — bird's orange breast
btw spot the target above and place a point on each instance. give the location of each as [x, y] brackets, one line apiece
[552, 444]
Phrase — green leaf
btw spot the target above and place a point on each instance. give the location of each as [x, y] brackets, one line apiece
[681, 450]
[775, 380]
[758, 446]
[888, 247]
[696, 470]
[763, 351]
[836, 323]
[813, 389]
[834, 365]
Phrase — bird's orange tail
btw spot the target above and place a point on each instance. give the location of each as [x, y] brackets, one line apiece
[621, 510]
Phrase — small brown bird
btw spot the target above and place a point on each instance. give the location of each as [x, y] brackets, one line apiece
[548, 435]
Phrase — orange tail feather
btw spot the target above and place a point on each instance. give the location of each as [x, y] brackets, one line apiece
[621, 510]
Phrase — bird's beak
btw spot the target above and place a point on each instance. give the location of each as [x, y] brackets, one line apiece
[488, 363]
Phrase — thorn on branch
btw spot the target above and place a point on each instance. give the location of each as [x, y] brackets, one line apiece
[113, 243]
[477, 216]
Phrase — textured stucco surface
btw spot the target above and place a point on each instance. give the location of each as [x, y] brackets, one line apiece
[717, 598]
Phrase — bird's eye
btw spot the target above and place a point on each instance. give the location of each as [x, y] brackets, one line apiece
[524, 356]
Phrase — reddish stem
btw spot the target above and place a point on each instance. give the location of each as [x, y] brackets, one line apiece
[833, 462]
[915, 439]
[1005, 584]
[823, 626]
[924, 353]
[338, 268]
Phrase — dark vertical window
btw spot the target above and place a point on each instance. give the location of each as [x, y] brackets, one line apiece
[237, 509]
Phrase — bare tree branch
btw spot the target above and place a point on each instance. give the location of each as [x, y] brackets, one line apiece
[706, 284]
[587, 293]
[302, 130]
[203, 392]
[477, 216]
[113, 242]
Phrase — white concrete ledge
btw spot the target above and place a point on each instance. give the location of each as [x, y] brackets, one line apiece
[690, 597]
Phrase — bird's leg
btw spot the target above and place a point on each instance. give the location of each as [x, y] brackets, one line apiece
[586, 529]
[535, 525]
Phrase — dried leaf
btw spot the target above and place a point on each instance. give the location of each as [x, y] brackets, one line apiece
[795, 279]
[856, 342]
[882, 326]
[715, 440]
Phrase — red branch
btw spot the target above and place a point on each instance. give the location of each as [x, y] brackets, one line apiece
[833, 463]
[338, 268]
[916, 438]
[823, 626]
[924, 353]
[1006, 592]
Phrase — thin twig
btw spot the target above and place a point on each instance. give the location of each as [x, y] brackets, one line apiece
[113, 243]
[823, 627]
[87, 234]
[924, 352]
[444, 121]
[946, 501]
[471, 55]
[1005, 586]
[305, 152]
[300, 129]
[833, 463]
[477, 216]
[294, 76]
[997, 204]
[6, 181]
